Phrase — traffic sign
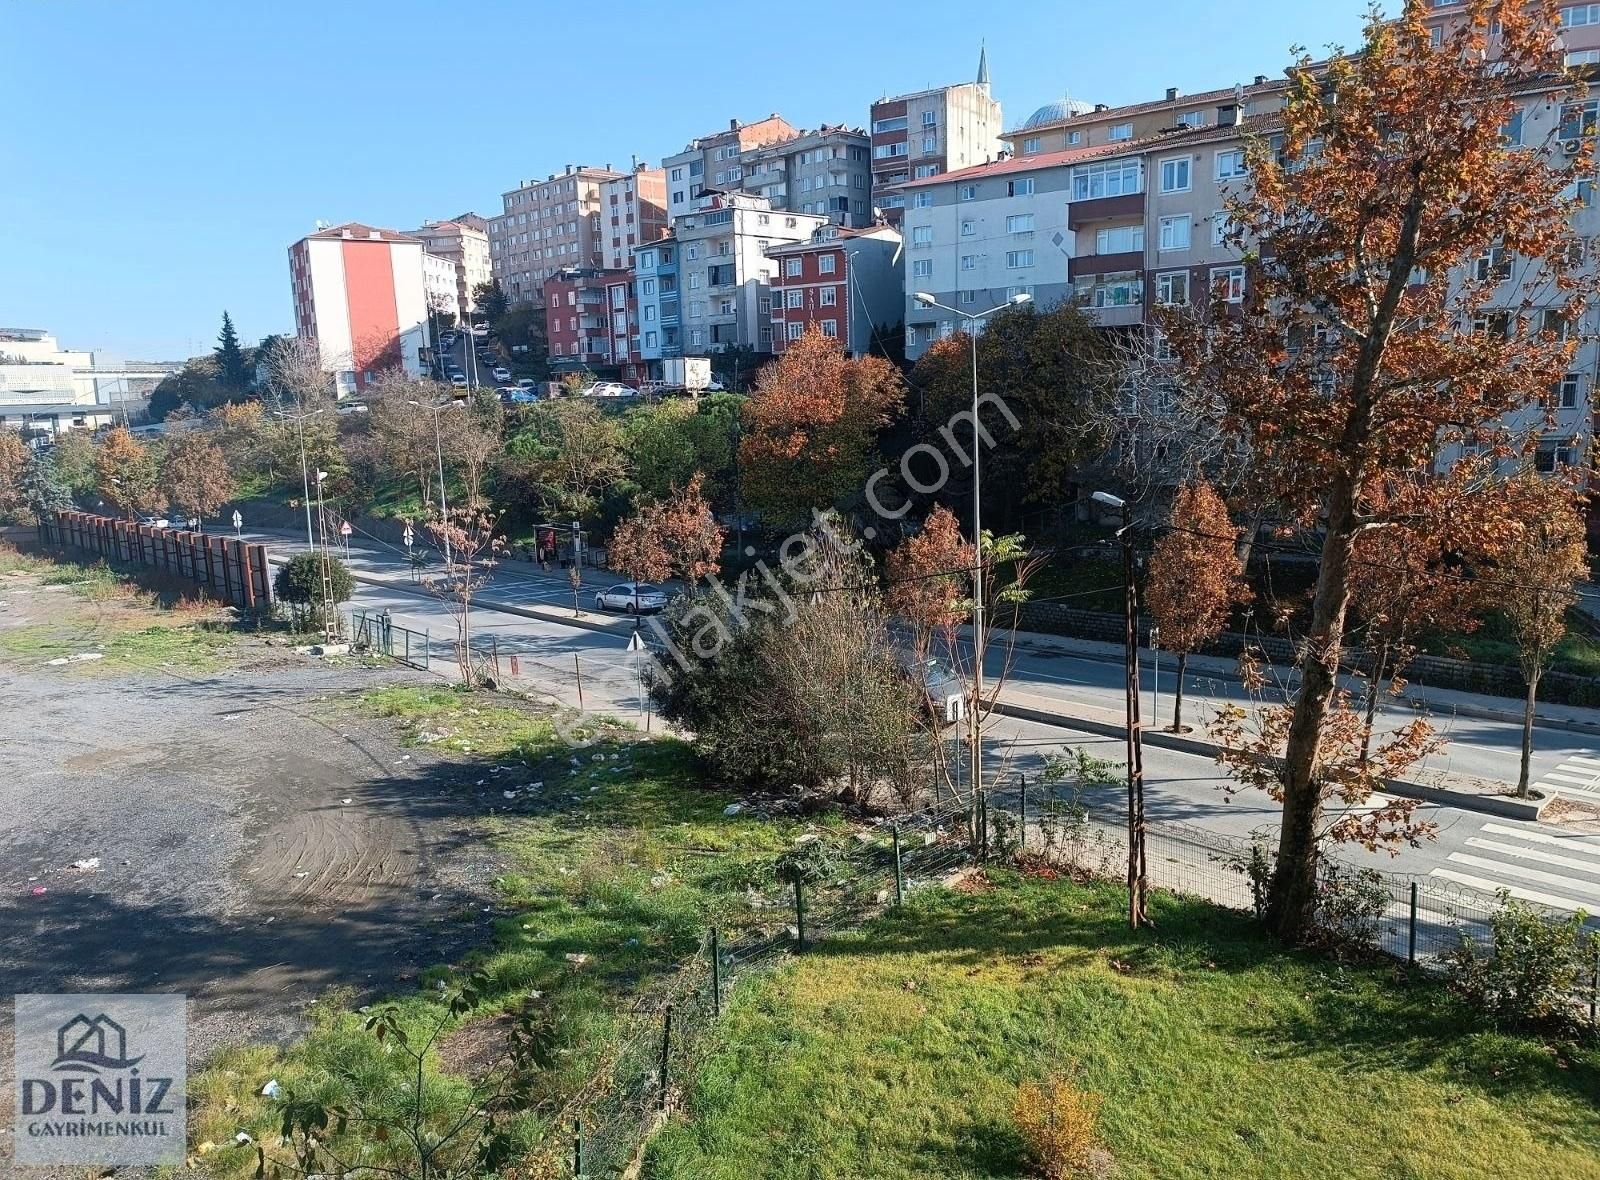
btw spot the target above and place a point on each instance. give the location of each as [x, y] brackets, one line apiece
[344, 529]
[636, 641]
[955, 707]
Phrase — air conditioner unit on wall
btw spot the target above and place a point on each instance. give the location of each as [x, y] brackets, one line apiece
[1571, 146]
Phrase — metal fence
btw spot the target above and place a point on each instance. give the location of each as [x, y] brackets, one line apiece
[380, 634]
[601, 1133]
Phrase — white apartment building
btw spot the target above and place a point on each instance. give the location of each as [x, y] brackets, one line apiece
[724, 274]
[980, 236]
[715, 161]
[46, 387]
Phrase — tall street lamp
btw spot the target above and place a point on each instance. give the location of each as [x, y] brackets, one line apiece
[438, 450]
[974, 726]
[1137, 869]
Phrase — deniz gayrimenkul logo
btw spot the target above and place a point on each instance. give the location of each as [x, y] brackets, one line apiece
[100, 1079]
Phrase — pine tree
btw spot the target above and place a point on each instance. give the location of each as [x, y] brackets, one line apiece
[42, 485]
[232, 371]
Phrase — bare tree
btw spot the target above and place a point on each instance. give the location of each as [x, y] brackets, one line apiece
[472, 548]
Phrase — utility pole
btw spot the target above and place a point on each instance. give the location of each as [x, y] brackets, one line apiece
[1138, 869]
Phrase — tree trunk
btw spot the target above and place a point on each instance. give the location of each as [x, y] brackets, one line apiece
[1177, 694]
[1527, 736]
[1291, 905]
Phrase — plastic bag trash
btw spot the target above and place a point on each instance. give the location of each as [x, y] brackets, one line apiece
[243, 1137]
[509, 794]
[87, 864]
[613, 758]
[577, 958]
[301, 873]
[37, 890]
[271, 1089]
[345, 802]
[733, 809]
[597, 758]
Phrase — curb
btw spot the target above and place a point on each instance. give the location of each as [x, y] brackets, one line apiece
[1498, 805]
[618, 627]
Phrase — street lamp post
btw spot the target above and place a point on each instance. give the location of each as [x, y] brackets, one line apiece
[305, 473]
[1137, 868]
[975, 718]
[438, 450]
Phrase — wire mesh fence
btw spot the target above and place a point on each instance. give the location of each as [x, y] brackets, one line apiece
[380, 634]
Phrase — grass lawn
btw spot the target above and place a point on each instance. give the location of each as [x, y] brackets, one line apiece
[621, 857]
[896, 1053]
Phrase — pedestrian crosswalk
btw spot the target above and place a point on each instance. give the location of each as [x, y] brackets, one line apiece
[1562, 871]
[1577, 776]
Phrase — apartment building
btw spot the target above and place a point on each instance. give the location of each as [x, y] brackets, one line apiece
[921, 135]
[715, 161]
[633, 209]
[578, 317]
[846, 283]
[726, 292]
[1066, 124]
[463, 242]
[439, 284]
[656, 303]
[360, 293]
[546, 226]
[826, 171]
[46, 387]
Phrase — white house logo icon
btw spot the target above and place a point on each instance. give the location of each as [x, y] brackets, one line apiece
[88, 1046]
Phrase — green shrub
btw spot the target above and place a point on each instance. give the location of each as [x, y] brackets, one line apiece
[1531, 966]
[1350, 905]
[299, 583]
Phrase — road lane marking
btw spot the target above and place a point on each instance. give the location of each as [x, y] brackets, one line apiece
[1527, 874]
[1549, 858]
[1569, 843]
[1549, 899]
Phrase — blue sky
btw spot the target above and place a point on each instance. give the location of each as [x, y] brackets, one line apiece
[160, 155]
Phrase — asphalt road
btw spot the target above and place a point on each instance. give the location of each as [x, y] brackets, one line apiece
[1558, 866]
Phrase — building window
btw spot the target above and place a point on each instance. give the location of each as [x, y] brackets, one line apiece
[1192, 119]
[1074, 138]
[793, 329]
[1495, 266]
[649, 339]
[830, 296]
[930, 144]
[1121, 239]
[793, 267]
[691, 253]
[1175, 175]
[1566, 391]
[1020, 188]
[1582, 57]
[969, 192]
[1231, 165]
[694, 282]
[898, 123]
[1174, 233]
[825, 264]
[1580, 14]
[888, 151]
[1018, 259]
[1227, 283]
[922, 235]
[923, 201]
[922, 268]
[929, 118]
[725, 307]
[967, 297]
[1030, 146]
[830, 327]
[1172, 288]
[1019, 223]
[923, 171]
[969, 228]
[648, 286]
[794, 298]
[1119, 132]
[1118, 179]
[1578, 119]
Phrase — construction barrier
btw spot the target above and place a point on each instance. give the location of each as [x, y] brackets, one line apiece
[235, 570]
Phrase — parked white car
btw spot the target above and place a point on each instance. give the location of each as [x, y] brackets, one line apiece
[632, 598]
[501, 373]
[459, 380]
[611, 389]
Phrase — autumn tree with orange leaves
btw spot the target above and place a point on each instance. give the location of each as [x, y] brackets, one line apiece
[1370, 339]
[1194, 578]
[676, 537]
[1533, 582]
[930, 577]
[810, 430]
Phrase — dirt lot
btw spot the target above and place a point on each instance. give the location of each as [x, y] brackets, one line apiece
[258, 839]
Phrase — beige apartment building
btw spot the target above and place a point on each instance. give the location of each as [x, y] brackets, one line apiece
[921, 135]
[715, 162]
[633, 210]
[546, 226]
[463, 242]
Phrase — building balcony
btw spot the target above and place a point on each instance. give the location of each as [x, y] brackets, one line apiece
[1116, 315]
[1086, 265]
[1123, 208]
